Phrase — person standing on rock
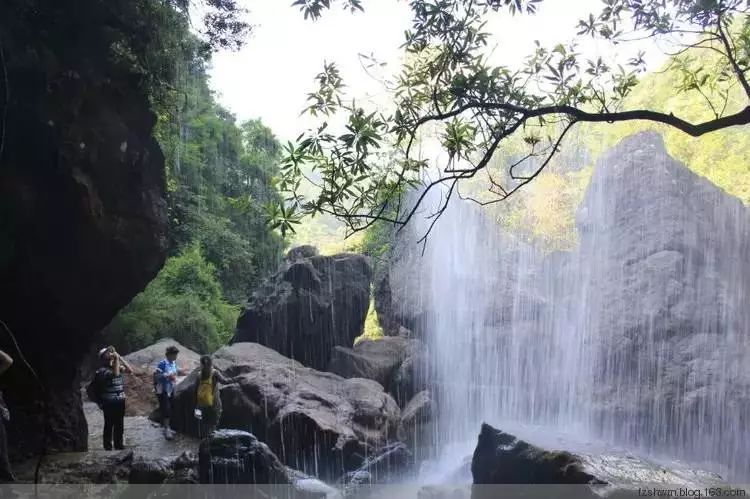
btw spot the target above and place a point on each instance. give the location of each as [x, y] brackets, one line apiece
[166, 378]
[207, 400]
[6, 474]
[111, 387]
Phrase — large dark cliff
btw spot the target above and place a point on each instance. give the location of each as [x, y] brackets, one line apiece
[82, 210]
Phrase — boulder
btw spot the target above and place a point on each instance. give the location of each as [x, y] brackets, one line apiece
[316, 422]
[236, 457]
[147, 358]
[312, 304]
[233, 457]
[398, 363]
[83, 214]
[380, 360]
[502, 458]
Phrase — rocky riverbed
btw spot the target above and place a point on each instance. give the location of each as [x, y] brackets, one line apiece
[144, 441]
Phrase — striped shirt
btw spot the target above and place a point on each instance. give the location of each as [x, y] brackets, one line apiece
[112, 387]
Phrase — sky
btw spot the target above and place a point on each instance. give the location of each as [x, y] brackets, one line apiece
[272, 75]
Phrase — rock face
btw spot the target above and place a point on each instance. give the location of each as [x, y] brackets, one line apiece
[316, 422]
[639, 335]
[502, 458]
[397, 363]
[312, 304]
[666, 304]
[82, 209]
[405, 293]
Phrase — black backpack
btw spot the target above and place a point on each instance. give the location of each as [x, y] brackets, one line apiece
[94, 389]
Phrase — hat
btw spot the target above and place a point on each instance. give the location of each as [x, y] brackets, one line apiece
[102, 352]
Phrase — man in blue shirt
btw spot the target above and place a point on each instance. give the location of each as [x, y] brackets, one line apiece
[166, 378]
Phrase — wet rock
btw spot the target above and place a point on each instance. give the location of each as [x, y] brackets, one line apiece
[307, 487]
[404, 296]
[150, 471]
[411, 376]
[502, 458]
[149, 458]
[665, 304]
[398, 363]
[317, 422]
[384, 466]
[83, 223]
[233, 456]
[379, 360]
[309, 306]
[417, 413]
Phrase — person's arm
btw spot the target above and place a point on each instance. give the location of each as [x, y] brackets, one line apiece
[124, 365]
[220, 378]
[5, 362]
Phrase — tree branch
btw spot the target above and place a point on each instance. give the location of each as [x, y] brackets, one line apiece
[696, 130]
[732, 60]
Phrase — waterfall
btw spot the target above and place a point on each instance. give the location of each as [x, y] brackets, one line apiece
[638, 338]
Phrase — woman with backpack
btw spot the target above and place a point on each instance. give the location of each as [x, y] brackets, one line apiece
[207, 400]
[109, 389]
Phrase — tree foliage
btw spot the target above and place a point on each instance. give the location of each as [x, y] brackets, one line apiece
[220, 185]
[448, 87]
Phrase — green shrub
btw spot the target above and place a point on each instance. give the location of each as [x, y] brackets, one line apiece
[183, 302]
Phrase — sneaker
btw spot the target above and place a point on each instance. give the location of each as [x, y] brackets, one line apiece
[168, 434]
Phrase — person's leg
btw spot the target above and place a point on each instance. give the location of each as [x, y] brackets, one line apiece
[204, 423]
[119, 424]
[210, 419]
[165, 409]
[108, 426]
[6, 474]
